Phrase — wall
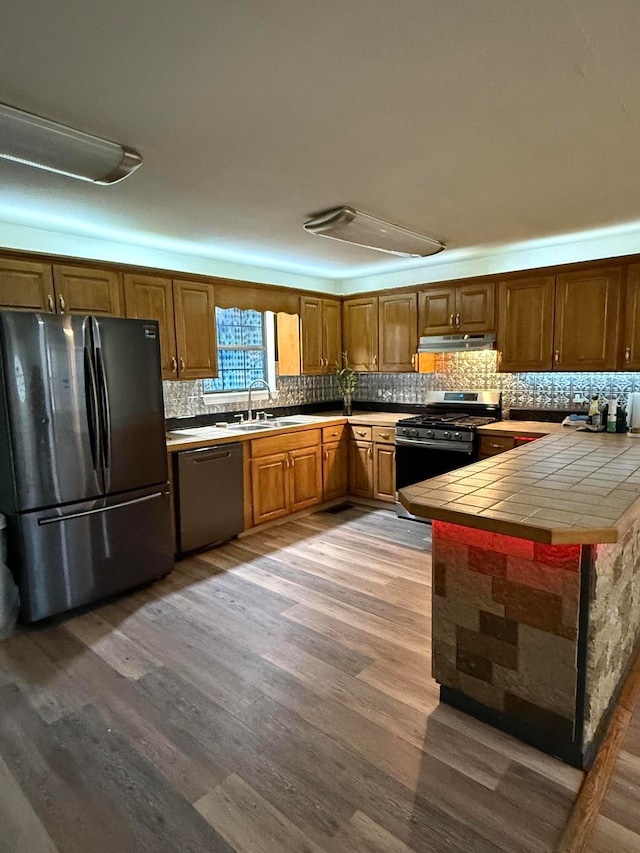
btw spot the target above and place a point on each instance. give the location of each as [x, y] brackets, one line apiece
[184, 399]
[614, 622]
[477, 371]
[467, 371]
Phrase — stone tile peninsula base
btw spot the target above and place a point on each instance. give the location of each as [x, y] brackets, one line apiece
[535, 639]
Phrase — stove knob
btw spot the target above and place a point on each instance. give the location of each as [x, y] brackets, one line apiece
[457, 435]
[413, 432]
[446, 435]
[430, 433]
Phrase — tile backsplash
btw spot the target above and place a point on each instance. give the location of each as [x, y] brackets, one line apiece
[466, 371]
[184, 399]
[476, 371]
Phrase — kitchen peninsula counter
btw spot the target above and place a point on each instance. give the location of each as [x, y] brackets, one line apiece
[536, 586]
[573, 488]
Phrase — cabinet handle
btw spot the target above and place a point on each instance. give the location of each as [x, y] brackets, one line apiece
[375, 361]
[182, 365]
[286, 461]
[292, 461]
[627, 354]
[370, 452]
[497, 446]
[556, 356]
[451, 319]
[361, 434]
[174, 364]
[413, 360]
[335, 433]
[458, 320]
[62, 304]
[51, 305]
[325, 455]
[384, 435]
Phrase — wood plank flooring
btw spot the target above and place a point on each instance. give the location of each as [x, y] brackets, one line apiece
[272, 695]
[617, 828]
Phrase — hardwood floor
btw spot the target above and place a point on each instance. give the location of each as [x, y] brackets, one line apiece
[271, 695]
[617, 828]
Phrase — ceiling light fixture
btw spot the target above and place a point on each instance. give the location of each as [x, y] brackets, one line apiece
[353, 226]
[35, 141]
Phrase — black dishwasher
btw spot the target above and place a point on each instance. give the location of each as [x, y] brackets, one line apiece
[210, 496]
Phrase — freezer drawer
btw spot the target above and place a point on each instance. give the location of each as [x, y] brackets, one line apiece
[81, 553]
[210, 496]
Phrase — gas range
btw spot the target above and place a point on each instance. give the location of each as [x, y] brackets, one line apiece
[450, 417]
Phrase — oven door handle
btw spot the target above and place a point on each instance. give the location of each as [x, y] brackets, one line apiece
[435, 445]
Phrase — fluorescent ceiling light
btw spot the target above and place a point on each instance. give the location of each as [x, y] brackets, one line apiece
[352, 226]
[36, 141]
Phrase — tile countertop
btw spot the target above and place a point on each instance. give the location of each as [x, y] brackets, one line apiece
[529, 429]
[565, 488]
[213, 435]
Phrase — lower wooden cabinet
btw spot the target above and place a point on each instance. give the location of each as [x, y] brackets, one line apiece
[384, 472]
[361, 468]
[335, 470]
[286, 474]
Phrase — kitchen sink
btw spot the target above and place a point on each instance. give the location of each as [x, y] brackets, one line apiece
[251, 426]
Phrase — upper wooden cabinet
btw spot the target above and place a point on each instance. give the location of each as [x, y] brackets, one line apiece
[631, 335]
[321, 334]
[149, 297]
[586, 320]
[82, 290]
[26, 286]
[196, 341]
[525, 324]
[457, 308]
[360, 332]
[397, 332]
[437, 310]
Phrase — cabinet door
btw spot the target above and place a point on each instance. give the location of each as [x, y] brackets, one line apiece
[360, 332]
[525, 324]
[631, 340]
[147, 297]
[311, 332]
[80, 290]
[437, 310]
[586, 326]
[476, 307]
[384, 472]
[335, 470]
[331, 334]
[270, 487]
[26, 286]
[305, 477]
[195, 330]
[398, 332]
[361, 468]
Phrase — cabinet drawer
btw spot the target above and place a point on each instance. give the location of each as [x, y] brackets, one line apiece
[384, 435]
[361, 433]
[333, 433]
[490, 445]
[284, 443]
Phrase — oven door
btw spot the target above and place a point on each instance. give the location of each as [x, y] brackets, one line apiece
[420, 460]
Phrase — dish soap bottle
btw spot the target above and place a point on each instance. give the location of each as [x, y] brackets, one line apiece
[594, 416]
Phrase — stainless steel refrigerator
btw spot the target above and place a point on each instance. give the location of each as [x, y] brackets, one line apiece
[83, 461]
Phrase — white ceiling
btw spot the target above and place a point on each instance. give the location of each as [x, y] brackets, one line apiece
[480, 122]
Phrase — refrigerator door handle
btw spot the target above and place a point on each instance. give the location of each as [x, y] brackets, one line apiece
[57, 519]
[105, 412]
[91, 400]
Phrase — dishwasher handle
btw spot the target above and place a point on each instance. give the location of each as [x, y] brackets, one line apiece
[207, 457]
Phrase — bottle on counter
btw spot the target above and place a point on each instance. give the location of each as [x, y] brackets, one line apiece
[621, 419]
[612, 414]
[594, 417]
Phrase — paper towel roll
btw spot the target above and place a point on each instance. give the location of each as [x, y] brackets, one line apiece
[633, 412]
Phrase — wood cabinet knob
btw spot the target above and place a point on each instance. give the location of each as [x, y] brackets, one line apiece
[627, 354]
[556, 356]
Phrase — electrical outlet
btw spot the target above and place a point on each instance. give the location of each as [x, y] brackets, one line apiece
[578, 398]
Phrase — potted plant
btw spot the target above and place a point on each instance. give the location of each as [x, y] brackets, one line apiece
[347, 380]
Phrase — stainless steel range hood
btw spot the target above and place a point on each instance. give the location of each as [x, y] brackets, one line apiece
[457, 343]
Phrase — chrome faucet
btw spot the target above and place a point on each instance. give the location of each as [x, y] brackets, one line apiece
[256, 384]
